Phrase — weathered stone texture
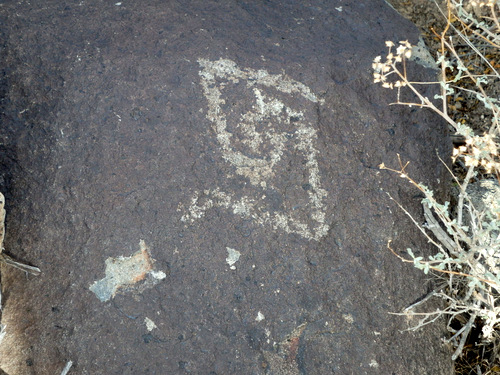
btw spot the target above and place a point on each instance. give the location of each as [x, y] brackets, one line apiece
[239, 140]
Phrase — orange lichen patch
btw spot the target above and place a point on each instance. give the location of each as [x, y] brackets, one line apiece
[142, 258]
[291, 344]
[285, 361]
[127, 273]
[293, 348]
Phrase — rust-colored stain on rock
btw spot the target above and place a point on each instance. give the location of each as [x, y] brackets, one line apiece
[125, 273]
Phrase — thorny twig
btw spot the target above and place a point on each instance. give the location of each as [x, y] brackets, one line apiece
[4, 258]
[67, 368]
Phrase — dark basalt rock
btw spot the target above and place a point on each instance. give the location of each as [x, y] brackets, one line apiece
[198, 183]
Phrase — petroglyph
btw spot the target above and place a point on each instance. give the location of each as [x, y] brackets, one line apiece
[269, 144]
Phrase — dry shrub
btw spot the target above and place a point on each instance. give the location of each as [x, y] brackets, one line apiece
[466, 235]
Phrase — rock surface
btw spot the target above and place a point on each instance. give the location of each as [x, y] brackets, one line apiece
[198, 184]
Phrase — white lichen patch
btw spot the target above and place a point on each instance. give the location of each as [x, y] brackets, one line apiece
[348, 318]
[260, 317]
[150, 325]
[232, 257]
[159, 275]
[133, 273]
[261, 144]
[2, 332]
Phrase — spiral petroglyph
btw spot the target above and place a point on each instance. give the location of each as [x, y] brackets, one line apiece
[263, 141]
